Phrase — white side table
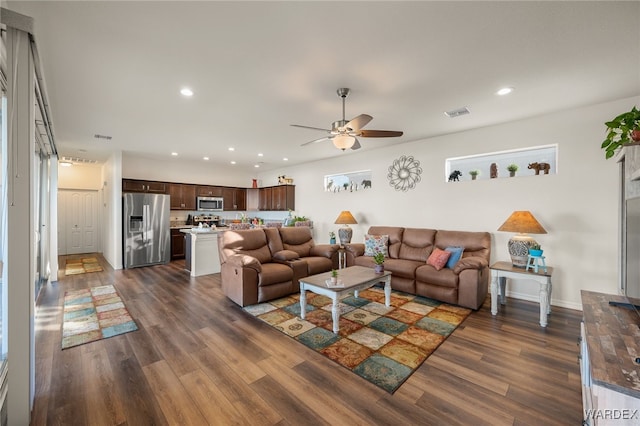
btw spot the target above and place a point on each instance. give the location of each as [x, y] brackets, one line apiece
[500, 271]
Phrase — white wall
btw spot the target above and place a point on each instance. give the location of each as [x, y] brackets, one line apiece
[80, 176]
[578, 206]
[180, 171]
[111, 210]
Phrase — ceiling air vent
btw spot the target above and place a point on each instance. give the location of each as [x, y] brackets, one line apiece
[97, 136]
[457, 112]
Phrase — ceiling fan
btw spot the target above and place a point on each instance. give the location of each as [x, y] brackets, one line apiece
[343, 133]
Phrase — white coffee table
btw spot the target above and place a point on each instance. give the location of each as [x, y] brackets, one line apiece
[352, 279]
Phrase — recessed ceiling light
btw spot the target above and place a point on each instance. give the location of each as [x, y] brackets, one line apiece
[205, 158]
[66, 164]
[260, 154]
[233, 162]
[285, 159]
[256, 165]
[504, 91]
[185, 91]
[174, 154]
[231, 148]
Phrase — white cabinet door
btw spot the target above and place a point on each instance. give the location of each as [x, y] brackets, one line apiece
[77, 217]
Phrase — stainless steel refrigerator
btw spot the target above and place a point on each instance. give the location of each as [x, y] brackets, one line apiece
[147, 238]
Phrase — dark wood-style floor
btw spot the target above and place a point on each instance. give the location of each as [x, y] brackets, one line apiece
[198, 359]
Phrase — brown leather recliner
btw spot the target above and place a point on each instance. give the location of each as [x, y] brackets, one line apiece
[257, 266]
[466, 284]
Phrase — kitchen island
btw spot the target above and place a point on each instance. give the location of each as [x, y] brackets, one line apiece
[202, 256]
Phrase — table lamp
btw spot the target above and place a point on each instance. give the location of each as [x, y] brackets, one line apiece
[345, 233]
[523, 223]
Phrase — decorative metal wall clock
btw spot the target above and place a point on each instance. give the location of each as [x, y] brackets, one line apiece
[404, 173]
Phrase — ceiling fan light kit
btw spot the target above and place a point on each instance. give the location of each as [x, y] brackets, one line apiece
[344, 133]
[344, 141]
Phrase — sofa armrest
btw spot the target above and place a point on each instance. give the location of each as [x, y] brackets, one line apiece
[324, 250]
[285, 255]
[356, 249]
[472, 262]
[244, 261]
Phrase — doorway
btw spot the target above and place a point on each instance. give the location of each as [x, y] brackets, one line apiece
[78, 229]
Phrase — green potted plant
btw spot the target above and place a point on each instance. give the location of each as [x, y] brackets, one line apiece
[474, 174]
[334, 277]
[378, 259]
[332, 237]
[622, 130]
[512, 168]
[535, 249]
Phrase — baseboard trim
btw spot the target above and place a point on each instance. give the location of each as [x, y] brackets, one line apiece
[554, 302]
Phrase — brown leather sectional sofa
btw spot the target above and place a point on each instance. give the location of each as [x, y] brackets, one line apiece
[466, 284]
[258, 265]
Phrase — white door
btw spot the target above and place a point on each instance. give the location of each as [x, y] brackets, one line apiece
[78, 217]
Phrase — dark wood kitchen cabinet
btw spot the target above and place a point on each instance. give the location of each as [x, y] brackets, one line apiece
[235, 199]
[183, 196]
[281, 197]
[136, 185]
[177, 244]
[209, 191]
[264, 198]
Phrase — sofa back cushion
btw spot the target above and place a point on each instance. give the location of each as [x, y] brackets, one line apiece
[298, 239]
[417, 244]
[395, 238]
[252, 242]
[474, 243]
[273, 240]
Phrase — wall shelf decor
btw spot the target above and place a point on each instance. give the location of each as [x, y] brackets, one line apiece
[537, 160]
[404, 173]
[348, 182]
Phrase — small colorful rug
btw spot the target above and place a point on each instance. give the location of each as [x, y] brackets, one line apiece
[383, 345]
[93, 314]
[81, 266]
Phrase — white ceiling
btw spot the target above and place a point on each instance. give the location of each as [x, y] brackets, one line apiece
[116, 68]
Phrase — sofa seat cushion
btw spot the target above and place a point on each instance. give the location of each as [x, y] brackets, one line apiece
[444, 277]
[398, 267]
[318, 265]
[275, 273]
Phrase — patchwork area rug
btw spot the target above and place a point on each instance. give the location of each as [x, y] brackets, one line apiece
[93, 314]
[383, 345]
[81, 266]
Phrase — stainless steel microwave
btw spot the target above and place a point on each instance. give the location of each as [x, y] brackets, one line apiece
[210, 204]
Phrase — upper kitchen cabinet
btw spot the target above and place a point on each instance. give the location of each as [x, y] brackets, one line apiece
[183, 196]
[209, 191]
[264, 198]
[135, 185]
[281, 197]
[234, 199]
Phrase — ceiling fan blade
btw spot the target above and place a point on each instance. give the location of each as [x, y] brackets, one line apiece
[309, 127]
[326, 138]
[379, 133]
[356, 144]
[359, 122]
